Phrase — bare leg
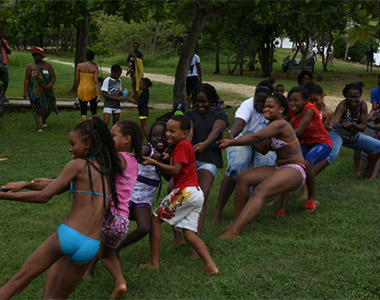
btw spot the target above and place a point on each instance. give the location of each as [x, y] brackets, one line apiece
[111, 262]
[135, 92]
[319, 167]
[38, 122]
[41, 259]
[83, 117]
[71, 276]
[177, 239]
[106, 118]
[115, 118]
[226, 188]
[371, 161]
[273, 182]
[44, 118]
[54, 275]
[198, 245]
[205, 179]
[155, 239]
[143, 219]
[304, 193]
[357, 154]
[144, 128]
[310, 181]
[375, 171]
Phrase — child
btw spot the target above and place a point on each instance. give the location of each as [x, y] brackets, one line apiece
[207, 128]
[112, 91]
[288, 174]
[316, 143]
[127, 137]
[279, 89]
[316, 97]
[149, 178]
[145, 84]
[90, 176]
[181, 208]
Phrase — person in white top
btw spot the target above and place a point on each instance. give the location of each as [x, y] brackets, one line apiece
[249, 118]
[194, 76]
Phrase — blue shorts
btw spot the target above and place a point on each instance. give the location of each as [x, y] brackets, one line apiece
[240, 158]
[316, 153]
[77, 246]
[201, 165]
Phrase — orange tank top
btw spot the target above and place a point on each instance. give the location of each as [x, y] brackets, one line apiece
[86, 89]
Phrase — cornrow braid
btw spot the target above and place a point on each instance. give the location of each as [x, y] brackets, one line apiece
[131, 128]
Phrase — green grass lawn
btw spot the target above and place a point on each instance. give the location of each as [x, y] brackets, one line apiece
[332, 253]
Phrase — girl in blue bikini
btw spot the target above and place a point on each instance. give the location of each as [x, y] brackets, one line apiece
[268, 181]
[90, 176]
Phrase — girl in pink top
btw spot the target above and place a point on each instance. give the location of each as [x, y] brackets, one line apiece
[127, 136]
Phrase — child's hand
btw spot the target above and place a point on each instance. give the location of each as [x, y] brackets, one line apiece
[199, 147]
[225, 143]
[148, 161]
[14, 186]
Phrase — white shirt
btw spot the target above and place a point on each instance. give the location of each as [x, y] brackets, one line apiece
[254, 121]
[193, 68]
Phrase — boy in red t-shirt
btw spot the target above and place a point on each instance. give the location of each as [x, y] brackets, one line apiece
[182, 207]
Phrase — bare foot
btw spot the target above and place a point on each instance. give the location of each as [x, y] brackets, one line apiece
[356, 171]
[149, 265]
[275, 199]
[176, 243]
[210, 270]
[228, 235]
[119, 291]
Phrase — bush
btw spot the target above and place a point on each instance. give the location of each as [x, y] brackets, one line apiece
[355, 53]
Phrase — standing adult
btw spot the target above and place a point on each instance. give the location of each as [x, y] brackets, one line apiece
[4, 51]
[39, 80]
[194, 76]
[136, 71]
[249, 119]
[87, 85]
[370, 56]
[4, 78]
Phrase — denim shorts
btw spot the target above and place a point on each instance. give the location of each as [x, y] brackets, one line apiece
[241, 158]
[316, 153]
[364, 143]
[201, 165]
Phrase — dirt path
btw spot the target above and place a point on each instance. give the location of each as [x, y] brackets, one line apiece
[241, 89]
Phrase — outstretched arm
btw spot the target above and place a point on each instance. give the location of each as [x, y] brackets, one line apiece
[30, 185]
[58, 186]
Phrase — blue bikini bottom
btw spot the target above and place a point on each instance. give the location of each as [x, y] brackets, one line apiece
[77, 246]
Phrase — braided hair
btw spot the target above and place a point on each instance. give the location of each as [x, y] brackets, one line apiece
[102, 148]
[128, 127]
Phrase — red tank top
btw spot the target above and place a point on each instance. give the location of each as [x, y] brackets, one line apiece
[315, 132]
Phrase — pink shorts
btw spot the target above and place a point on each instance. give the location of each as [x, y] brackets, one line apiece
[298, 166]
[114, 229]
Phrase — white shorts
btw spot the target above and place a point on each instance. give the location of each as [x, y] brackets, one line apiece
[182, 208]
[109, 110]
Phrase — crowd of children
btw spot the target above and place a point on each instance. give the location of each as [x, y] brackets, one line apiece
[114, 177]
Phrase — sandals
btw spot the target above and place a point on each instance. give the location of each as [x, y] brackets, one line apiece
[311, 206]
[280, 212]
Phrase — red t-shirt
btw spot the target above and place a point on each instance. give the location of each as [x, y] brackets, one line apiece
[183, 153]
[315, 132]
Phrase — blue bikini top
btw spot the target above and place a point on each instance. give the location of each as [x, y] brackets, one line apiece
[72, 190]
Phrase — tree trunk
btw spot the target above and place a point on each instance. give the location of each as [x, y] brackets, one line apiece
[252, 61]
[266, 58]
[328, 56]
[187, 53]
[81, 41]
[217, 63]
